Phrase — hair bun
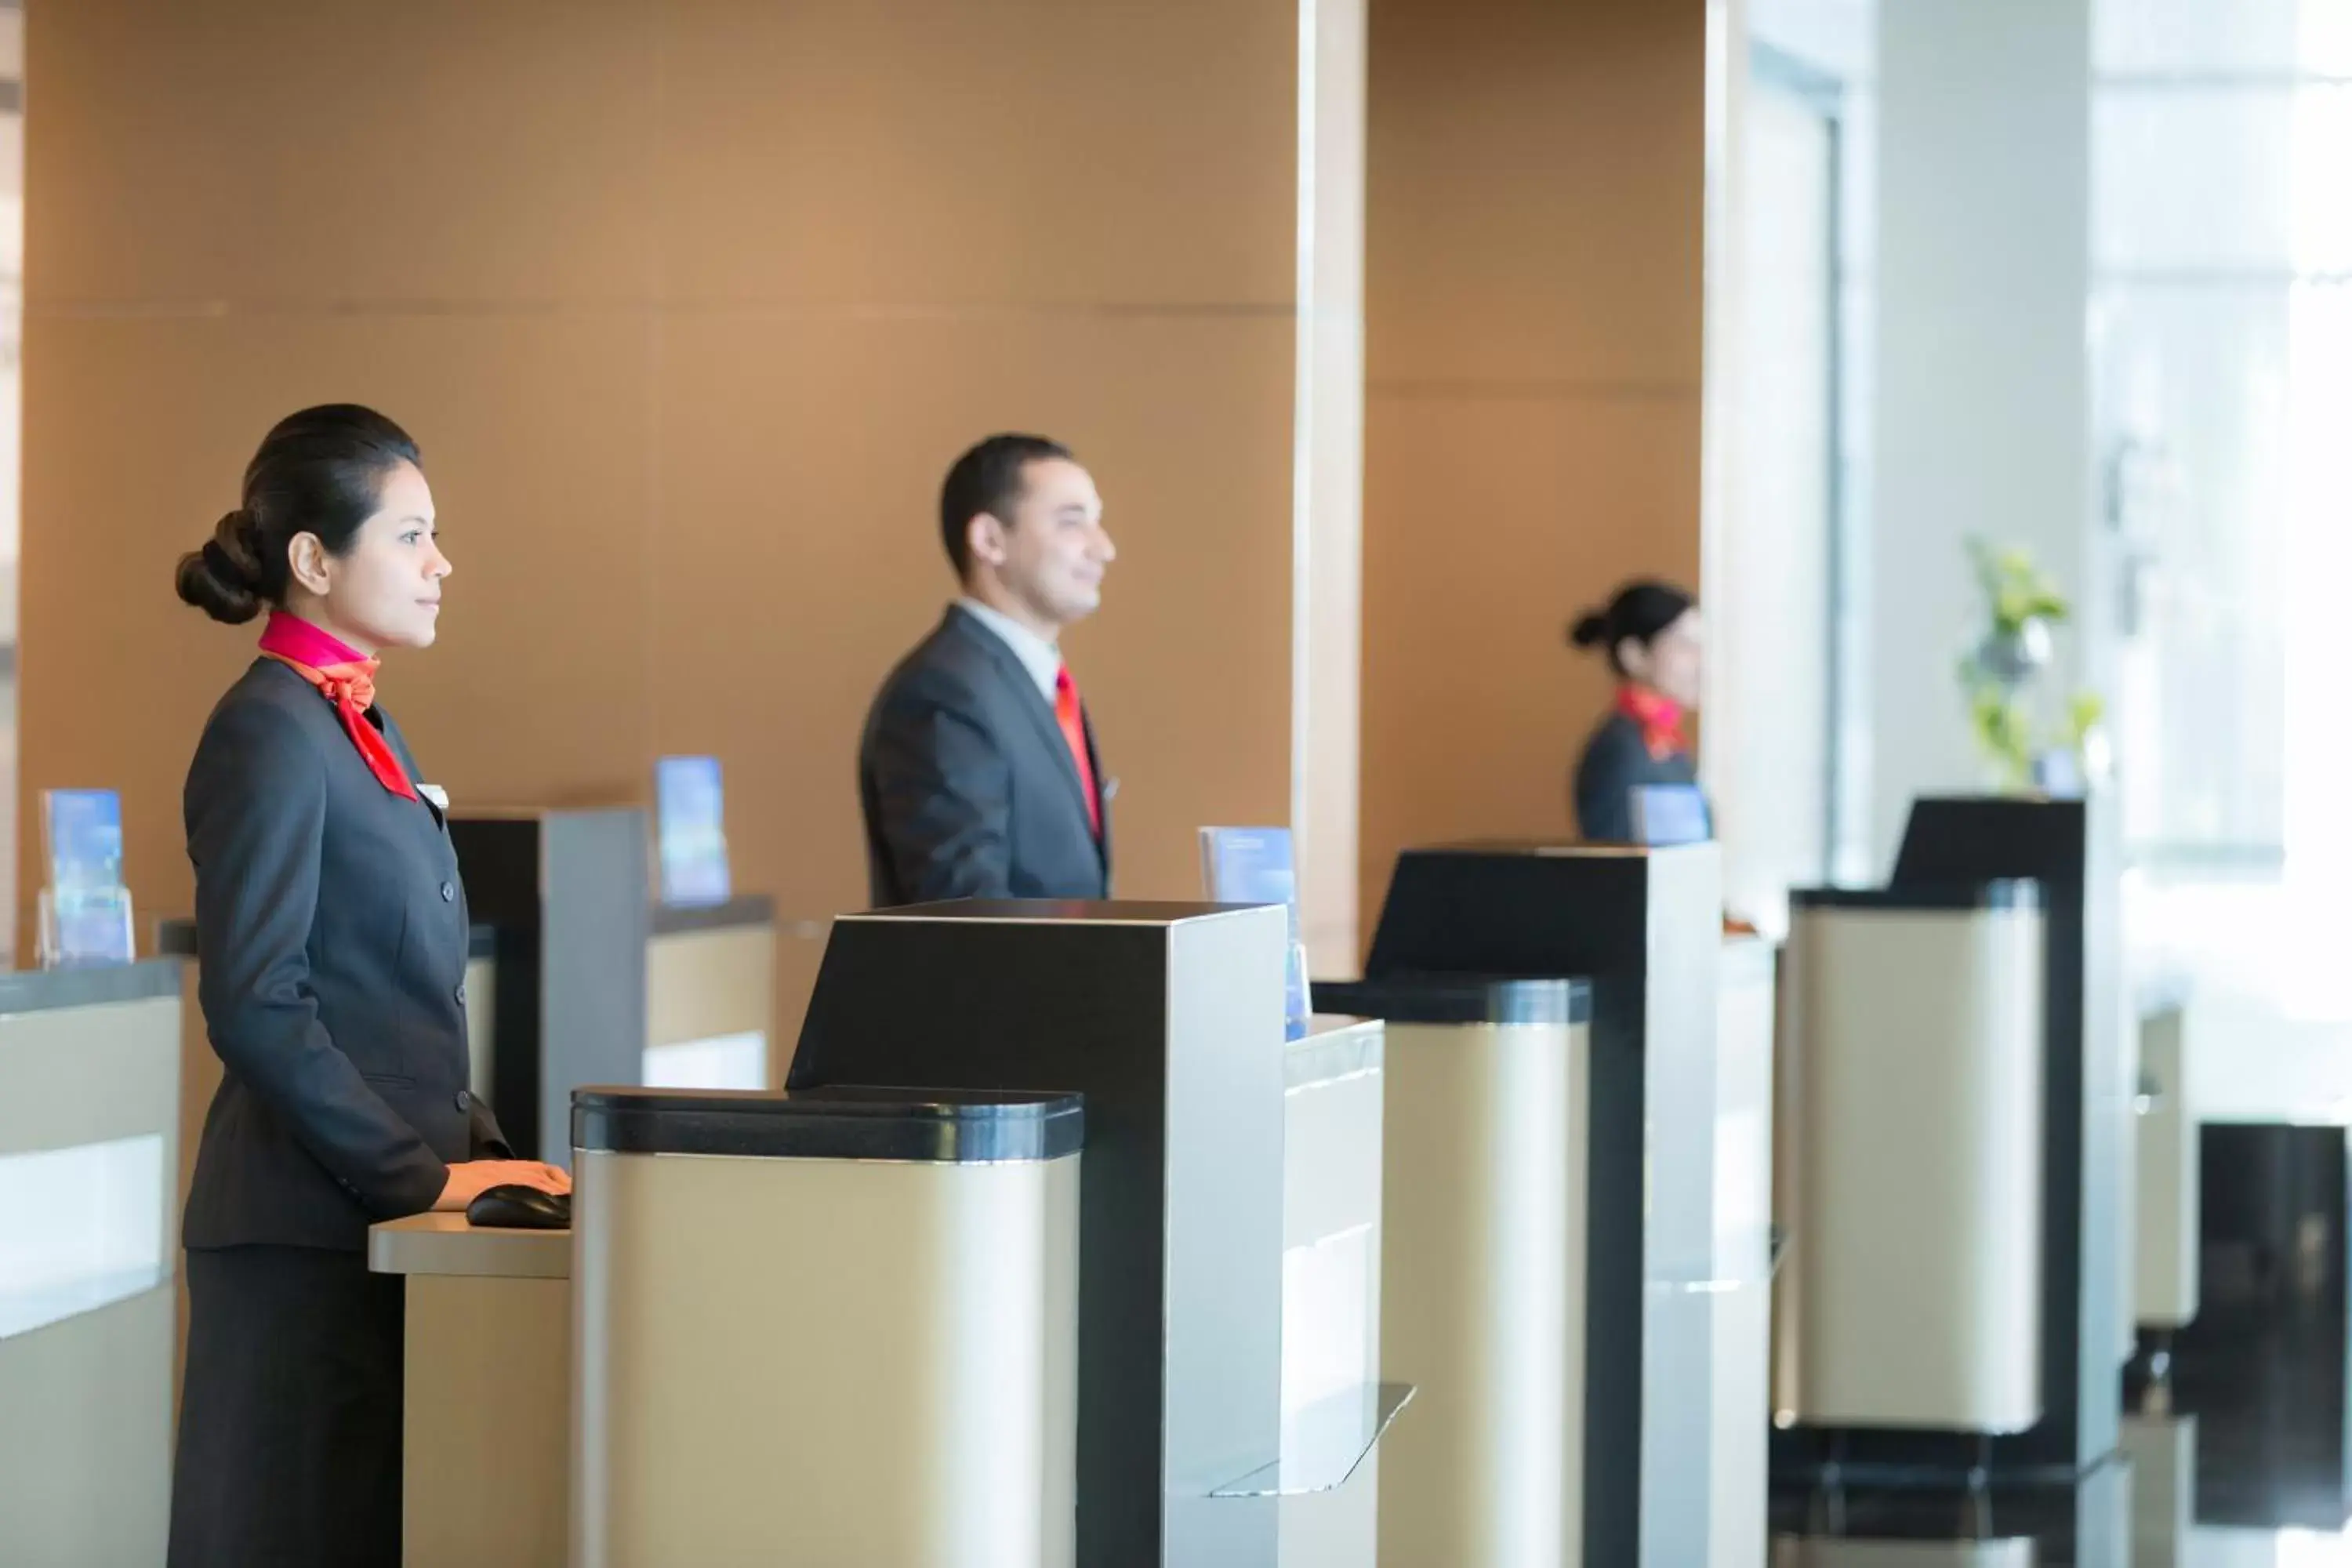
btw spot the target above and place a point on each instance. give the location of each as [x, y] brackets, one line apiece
[1591, 630]
[224, 578]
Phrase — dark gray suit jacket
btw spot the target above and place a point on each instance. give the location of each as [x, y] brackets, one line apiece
[968, 787]
[330, 946]
[1616, 762]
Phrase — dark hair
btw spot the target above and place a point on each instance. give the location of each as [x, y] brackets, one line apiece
[988, 479]
[1640, 611]
[320, 471]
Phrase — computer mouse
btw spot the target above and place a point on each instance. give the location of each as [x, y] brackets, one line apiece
[513, 1206]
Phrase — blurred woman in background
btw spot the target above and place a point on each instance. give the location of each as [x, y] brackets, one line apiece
[1650, 634]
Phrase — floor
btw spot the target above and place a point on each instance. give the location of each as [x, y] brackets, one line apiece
[2238, 1458]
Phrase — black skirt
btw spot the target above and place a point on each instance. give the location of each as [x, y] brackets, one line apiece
[289, 1451]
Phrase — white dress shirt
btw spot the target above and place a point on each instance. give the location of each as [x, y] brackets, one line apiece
[1040, 658]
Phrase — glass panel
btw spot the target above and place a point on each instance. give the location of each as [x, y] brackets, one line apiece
[2214, 35]
[2198, 377]
[1836, 35]
[2201, 178]
[1323, 1445]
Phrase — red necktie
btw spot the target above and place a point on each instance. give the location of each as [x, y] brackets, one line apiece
[1071, 714]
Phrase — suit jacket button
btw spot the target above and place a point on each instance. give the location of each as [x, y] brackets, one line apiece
[461, 995]
[448, 892]
[465, 1099]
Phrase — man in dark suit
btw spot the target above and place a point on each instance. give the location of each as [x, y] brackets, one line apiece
[978, 771]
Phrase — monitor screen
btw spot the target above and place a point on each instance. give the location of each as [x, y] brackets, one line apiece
[1671, 814]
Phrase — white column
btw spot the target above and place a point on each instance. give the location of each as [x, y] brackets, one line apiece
[1983, 375]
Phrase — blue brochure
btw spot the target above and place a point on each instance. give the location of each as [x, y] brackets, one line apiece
[690, 830]
[1253, 866]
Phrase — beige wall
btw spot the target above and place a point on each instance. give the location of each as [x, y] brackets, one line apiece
[689, 303]
[1534, 303]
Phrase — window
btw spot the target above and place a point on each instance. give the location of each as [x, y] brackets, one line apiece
[2223, 357]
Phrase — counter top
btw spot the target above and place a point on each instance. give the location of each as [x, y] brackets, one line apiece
[1334, 1048]
[750, 910]
[177, 938]
[845, 1121]
[1994, 893]
[1457, 999]
[94, 985]
[1748, 960]
[446, 1243]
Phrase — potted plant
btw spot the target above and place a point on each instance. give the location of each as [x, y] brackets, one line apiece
[1997, 676]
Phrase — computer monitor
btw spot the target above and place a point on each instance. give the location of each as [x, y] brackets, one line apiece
[1671, 814]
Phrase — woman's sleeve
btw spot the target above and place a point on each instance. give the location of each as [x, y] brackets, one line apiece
[256, 811]
[1604, 793]
[486, 1139]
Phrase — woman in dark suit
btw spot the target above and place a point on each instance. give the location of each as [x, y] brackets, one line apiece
[331, 936]
[1650, 634]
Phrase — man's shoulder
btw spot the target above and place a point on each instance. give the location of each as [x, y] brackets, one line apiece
[950, 666]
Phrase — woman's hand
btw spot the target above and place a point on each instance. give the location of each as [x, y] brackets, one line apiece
[470, 1179]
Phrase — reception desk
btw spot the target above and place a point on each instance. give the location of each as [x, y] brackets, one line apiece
[1964, 1112]
[487, 1453]
[710, 997]
[1915, 1143]
[1334, 1406]
[1562, 1280]
[830, 1326]
[1169, 1019]
[833, 1326]
[89, 1129]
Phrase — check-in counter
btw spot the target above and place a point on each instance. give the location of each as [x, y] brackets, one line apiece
[486, 1448]
[1745, 1259]
[1169, 1019]
[1484, 1243]
[1914, 1039]
[1957, 1033]
[831, 1326]
[89, 1130]
[1553, 1279]
[1334, 1406]
[711, 995]
[2169, 1177]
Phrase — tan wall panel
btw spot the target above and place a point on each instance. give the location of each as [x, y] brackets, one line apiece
[1535, 186]
[703, 983]
[800, 556]
[690, 304]
[534, 434]
[1534, 313]
[283, 152]
[1042, 151]
[1487, 523]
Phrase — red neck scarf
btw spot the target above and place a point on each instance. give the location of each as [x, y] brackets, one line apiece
[346, 678]
[1660, 717]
